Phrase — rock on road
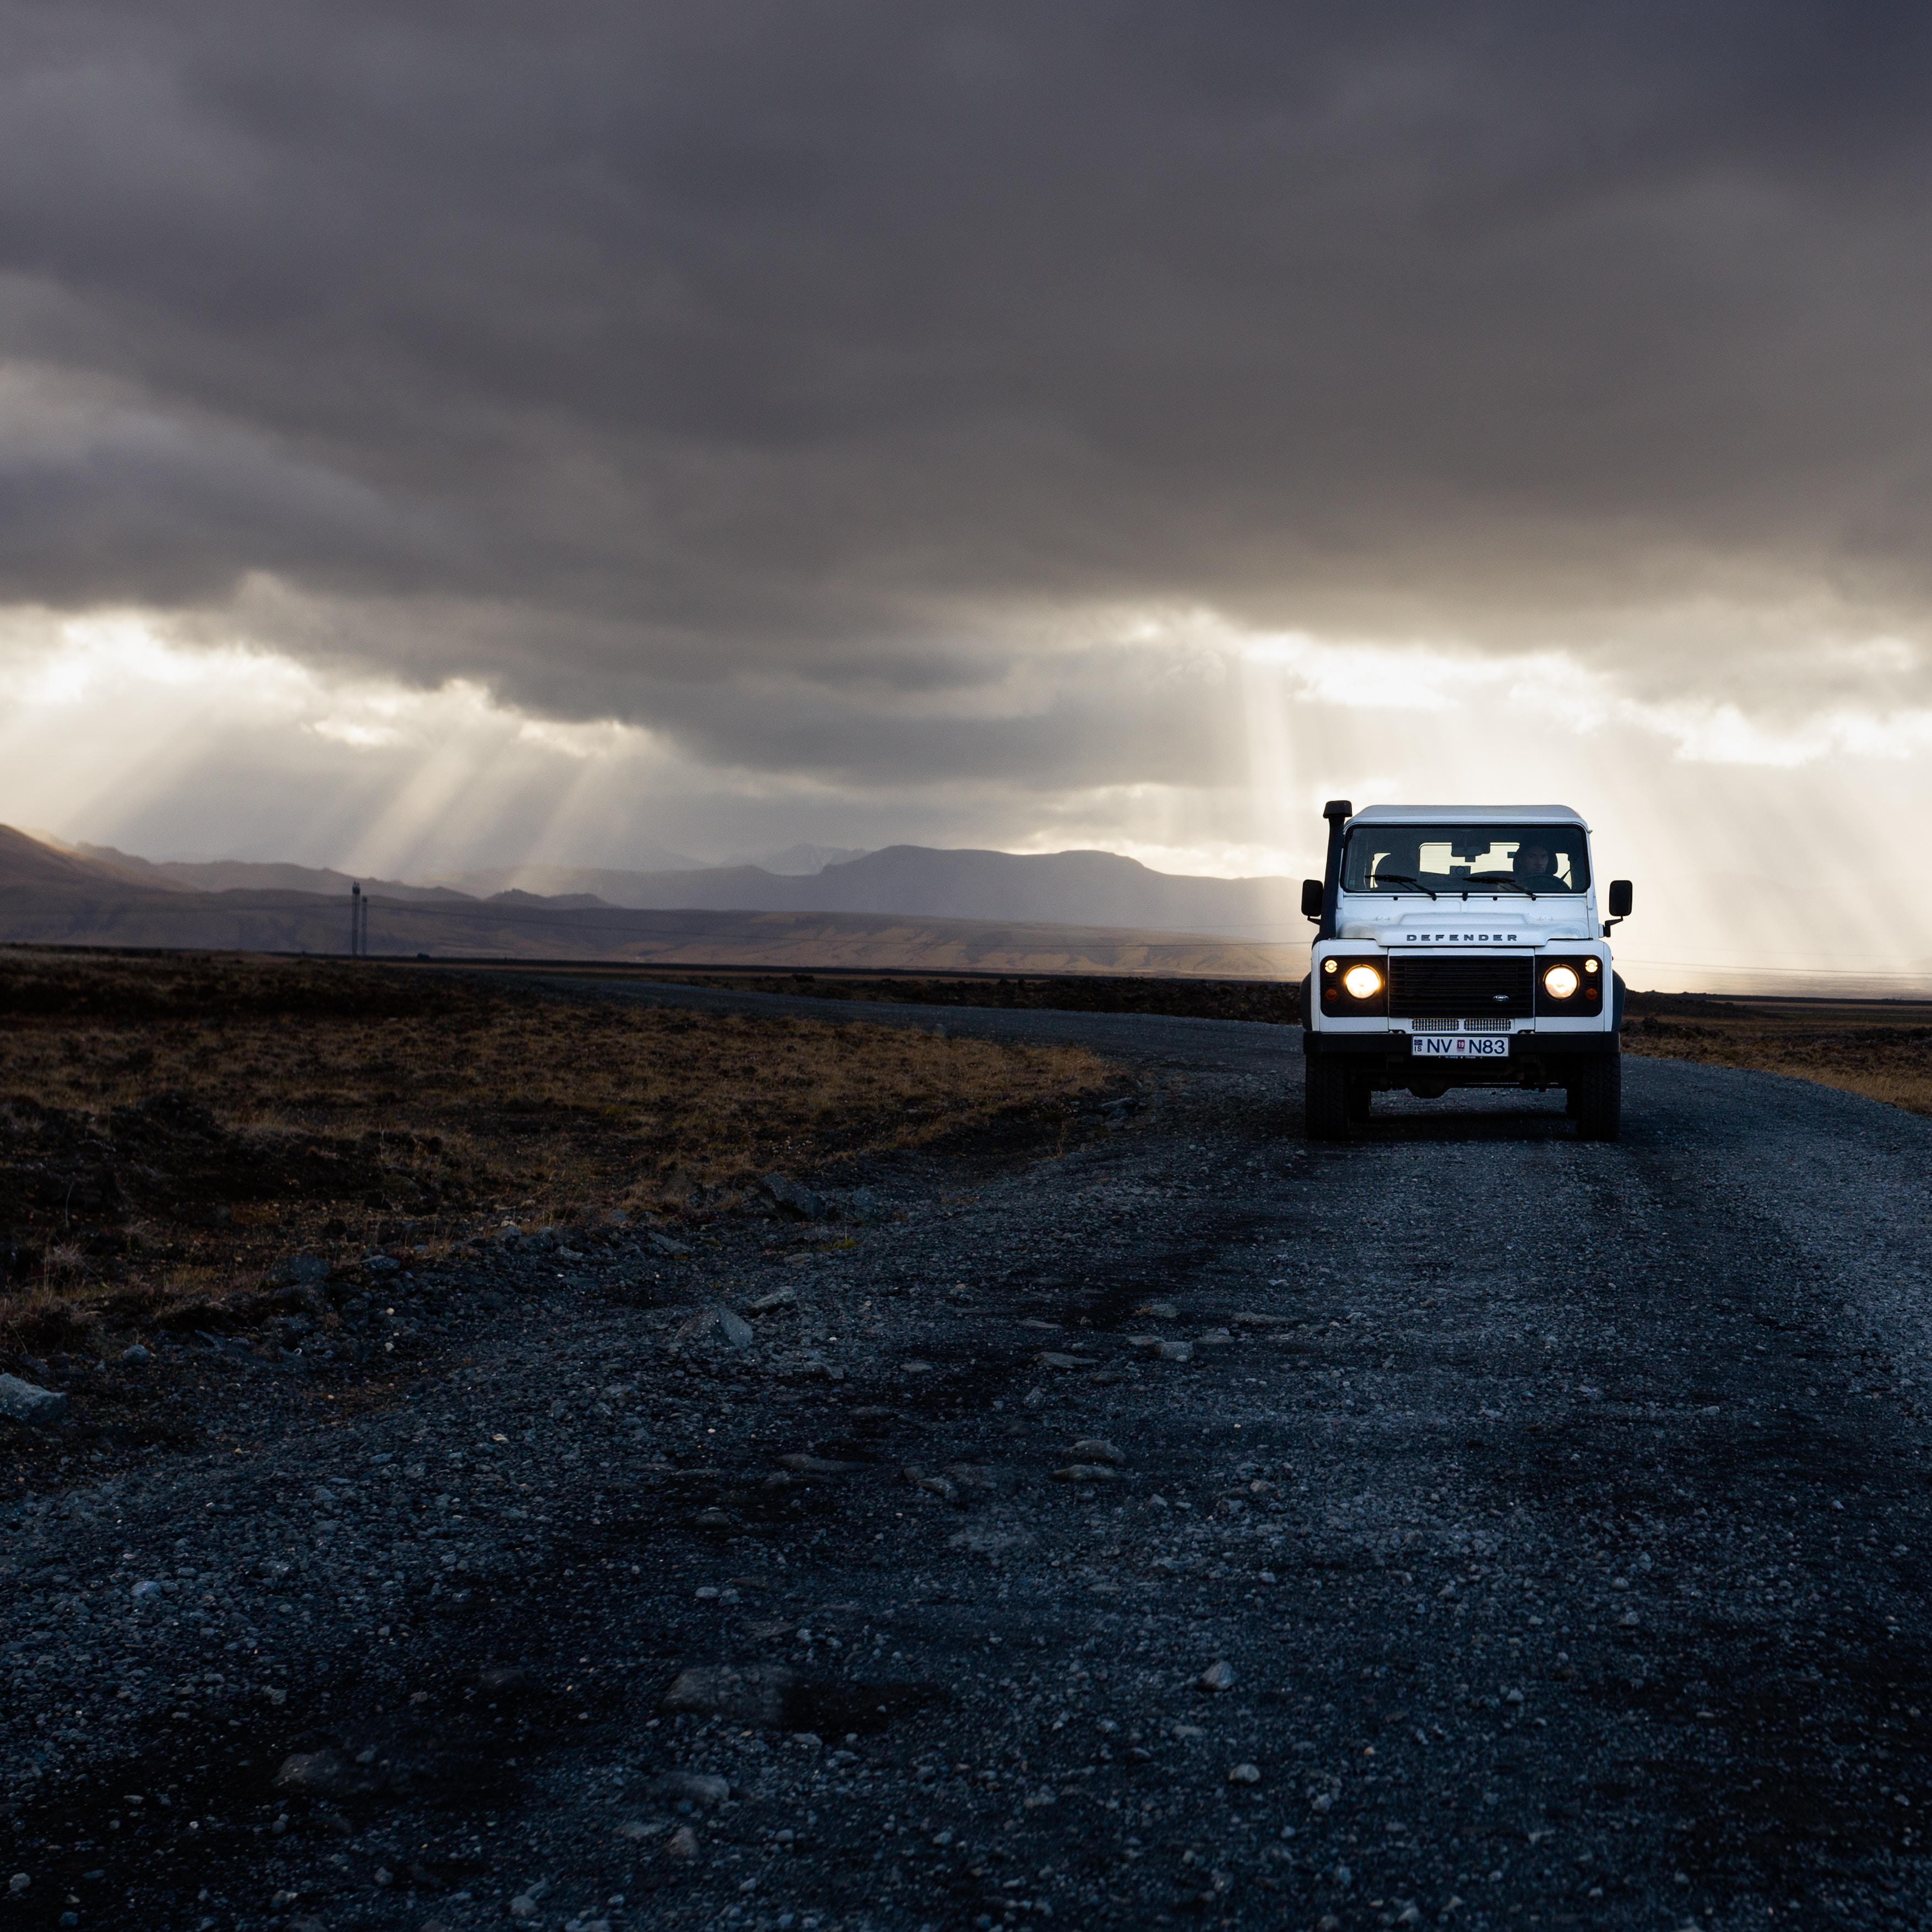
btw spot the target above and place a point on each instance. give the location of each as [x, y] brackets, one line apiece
[1459, 1526]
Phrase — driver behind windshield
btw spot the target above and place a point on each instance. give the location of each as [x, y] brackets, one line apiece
[1534, 868]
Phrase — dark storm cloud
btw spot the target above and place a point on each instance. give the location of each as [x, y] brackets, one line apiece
[623, 355]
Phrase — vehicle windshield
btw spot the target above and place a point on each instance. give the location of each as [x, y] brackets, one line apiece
[1537, 859]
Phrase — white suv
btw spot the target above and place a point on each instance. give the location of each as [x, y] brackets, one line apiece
[1460, 946]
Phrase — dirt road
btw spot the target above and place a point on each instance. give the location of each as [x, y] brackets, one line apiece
[1461, 1526]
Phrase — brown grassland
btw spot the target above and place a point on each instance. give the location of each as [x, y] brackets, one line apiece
[169, 1126]
[1881, 1049]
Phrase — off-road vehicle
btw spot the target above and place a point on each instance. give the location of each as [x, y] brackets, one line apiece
[1460, 946]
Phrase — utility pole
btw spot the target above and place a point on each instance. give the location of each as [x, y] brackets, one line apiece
[356, 927]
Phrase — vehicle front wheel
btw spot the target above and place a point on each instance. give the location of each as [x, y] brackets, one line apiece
[1325, 1099]
[1597, 1098]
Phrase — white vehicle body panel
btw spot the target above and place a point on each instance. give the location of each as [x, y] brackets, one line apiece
[1474, 924]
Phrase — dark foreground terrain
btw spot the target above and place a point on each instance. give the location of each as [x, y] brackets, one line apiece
[1276, 1001]
[1460, 1526]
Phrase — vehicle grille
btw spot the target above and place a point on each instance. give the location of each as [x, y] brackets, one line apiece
[1487, 986]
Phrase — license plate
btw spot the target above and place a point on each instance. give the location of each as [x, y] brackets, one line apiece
[1458, 1046]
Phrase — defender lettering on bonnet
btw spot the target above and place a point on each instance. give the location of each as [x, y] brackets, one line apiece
[1384, 1009]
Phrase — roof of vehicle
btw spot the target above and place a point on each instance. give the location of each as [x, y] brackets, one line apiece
[1469, 814]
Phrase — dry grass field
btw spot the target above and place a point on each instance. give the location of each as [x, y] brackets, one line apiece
[169, 1126]
[1881, 1049]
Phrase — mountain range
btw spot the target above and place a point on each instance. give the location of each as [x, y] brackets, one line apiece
[908, 907]
[1080, 888]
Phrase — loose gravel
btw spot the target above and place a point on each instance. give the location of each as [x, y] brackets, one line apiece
[1460, 1525]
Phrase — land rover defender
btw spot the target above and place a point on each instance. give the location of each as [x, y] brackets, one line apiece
[1460, 946]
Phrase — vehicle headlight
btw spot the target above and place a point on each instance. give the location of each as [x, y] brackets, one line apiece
[1560, 982]
[1364, 983]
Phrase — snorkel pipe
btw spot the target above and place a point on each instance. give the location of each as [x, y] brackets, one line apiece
[1337, 812]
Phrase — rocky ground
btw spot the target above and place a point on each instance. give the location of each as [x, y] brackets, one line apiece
[1459, 1526]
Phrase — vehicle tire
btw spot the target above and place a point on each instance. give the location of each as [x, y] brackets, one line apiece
[1361, 1098]
[1325, 1099]
[1570, 1099]
[1597, 1098]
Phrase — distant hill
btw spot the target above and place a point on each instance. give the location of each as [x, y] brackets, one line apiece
[49, 897]
[911, 907]
[795, 861]
[1074, 888]
[27, 864]
[229, 875]
[1097, 889]
[555, 881]
[551, 902]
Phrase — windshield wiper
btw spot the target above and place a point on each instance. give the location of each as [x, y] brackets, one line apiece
[1401, 879]
[1499, 879]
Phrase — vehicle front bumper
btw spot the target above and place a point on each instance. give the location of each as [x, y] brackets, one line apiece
[1535, 1059]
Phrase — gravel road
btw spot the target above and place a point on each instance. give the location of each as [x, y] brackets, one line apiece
[1458, 1526]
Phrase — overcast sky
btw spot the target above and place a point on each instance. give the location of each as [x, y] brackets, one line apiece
[436, 434]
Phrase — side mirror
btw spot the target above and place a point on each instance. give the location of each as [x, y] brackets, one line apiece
[1620, 898]
[1311, 896]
